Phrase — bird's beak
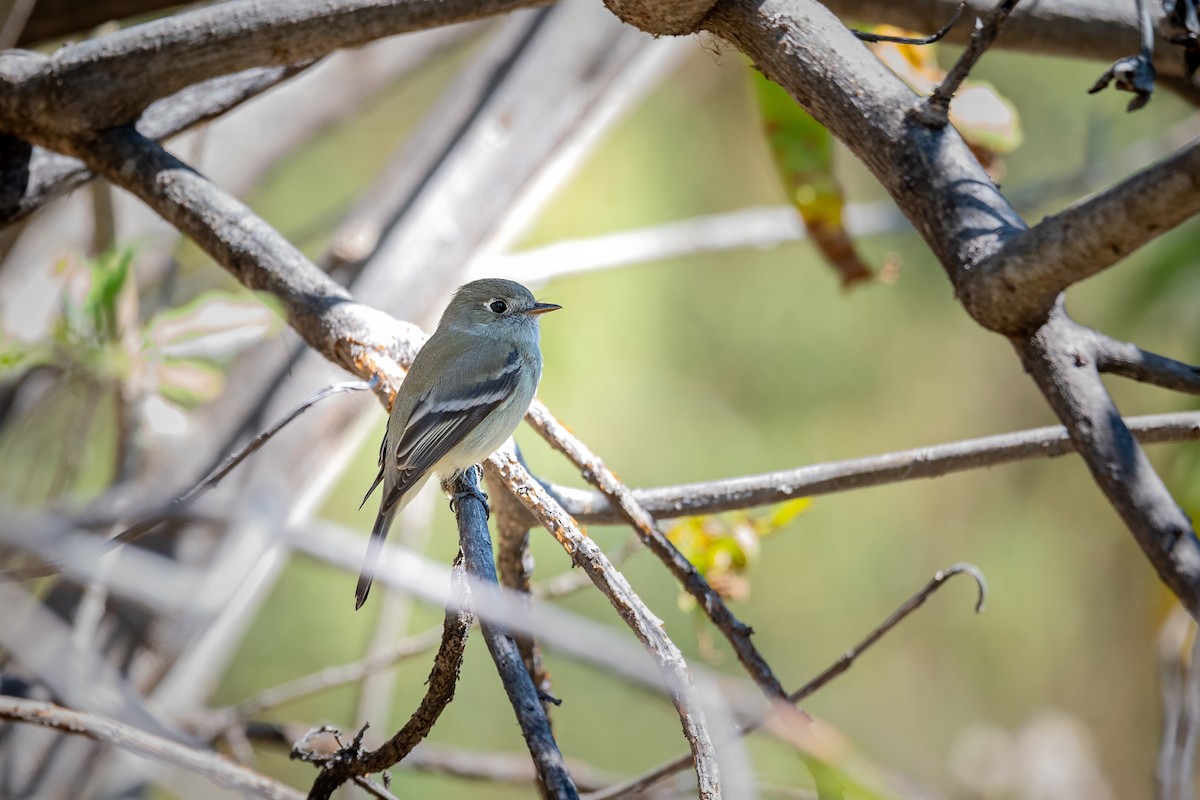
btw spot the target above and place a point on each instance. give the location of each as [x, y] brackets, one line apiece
[542, 308]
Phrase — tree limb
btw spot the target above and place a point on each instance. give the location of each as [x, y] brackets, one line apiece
[711, 497]
[1061, 359]
[518, 685]
[612, 584]
[108, 81]
[1013, 290]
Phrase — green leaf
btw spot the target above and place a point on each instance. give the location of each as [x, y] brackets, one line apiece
[109, 271]
[803, 153]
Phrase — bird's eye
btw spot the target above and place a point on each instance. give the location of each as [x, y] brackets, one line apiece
[499, 306]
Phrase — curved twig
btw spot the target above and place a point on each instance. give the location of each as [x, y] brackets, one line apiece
[934, 110]
[651, 777]
[595, 472]
[872, 38]
[351, 762]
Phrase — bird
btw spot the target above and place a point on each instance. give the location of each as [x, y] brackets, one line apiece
[468, 388]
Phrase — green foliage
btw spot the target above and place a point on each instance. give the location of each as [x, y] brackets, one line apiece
[723, 546]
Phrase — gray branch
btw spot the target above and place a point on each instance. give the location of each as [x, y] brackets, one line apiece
[1013, 290]
[518, 685]
[108, 81]
[1061, 358]
[586, 555]
[30, 177]
[211, 765]
[710, 497]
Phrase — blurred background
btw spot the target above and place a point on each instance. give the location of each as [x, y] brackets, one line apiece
[675, 369]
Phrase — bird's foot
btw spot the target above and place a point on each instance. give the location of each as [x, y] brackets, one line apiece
[472, 490]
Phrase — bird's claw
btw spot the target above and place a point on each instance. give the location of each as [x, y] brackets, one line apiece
[473, 491]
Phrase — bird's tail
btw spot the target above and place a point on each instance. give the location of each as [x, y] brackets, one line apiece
[379, 533]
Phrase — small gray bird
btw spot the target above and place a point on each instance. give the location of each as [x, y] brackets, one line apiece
[467, 391]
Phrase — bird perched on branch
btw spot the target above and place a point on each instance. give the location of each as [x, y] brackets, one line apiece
[467, 391]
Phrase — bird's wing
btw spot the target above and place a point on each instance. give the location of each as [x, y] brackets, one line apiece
[438, 423]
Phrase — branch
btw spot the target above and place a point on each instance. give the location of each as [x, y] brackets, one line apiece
[711, 497]
[1130, 361]
[1015, 288]
[1098, 30]
[476, 545]
[612, 584]
[1061, 359]
[33, 176]
[843, 663]
[596, 473]
[515, 565]
[350, 762]
[320, 310]
[327, 678]
[211, 765]
[108, 81]
[935, 109]
[759, 228]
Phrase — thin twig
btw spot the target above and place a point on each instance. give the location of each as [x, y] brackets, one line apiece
[330, 677]
[595, 472]
[648, 779]
[934, 110]
[729, 494]
[172, 509]
[211, 765]
[476, 544]
[871, 38]
[350, 762]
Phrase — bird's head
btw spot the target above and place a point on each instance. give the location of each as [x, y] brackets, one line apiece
[491, 302]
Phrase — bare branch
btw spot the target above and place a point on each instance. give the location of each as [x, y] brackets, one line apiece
[839, 476]
[109, 80]
[934, 110]
[1099, 30]
[1016, 287]
[759, 228]
[41, 175]
[522, 694]
[648, 779]
[211, 765]
[1061, 359]
[612, 584]
[351, 762]
[1130, 361]
[515, 565]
